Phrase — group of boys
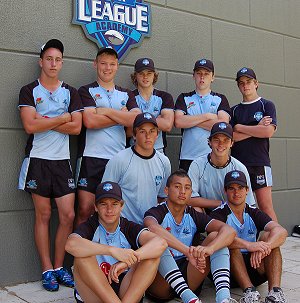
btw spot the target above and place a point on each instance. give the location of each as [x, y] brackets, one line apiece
[157, 244]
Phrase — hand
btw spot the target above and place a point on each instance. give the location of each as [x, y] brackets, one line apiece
[124, 109]
[255, 259]
[267, 120]
[199, 263]
[201, 251]
[127, 256]
[66, 117]
[115, 271]
[261, 246]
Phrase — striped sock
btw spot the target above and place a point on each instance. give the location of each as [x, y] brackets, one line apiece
[220, 269]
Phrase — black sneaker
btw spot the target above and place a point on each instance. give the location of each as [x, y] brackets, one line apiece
[296, 231]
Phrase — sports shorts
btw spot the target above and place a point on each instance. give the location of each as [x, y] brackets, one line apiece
[255, 277]
[89, 173]
[47, 178]
[260, 176]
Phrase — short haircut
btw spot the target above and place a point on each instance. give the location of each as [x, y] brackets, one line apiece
[178, 173]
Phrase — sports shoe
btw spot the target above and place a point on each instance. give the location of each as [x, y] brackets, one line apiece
[49, 281]
[77, 296]
[296, 231]
[251, 296]
[276, 295]
[195, 301]
[229, 300]
[64, 277]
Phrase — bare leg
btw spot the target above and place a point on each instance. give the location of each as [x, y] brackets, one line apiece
[273, 268]
[138, 280]
[65, 206]
[160, 288]
[91, 282]
[264, 201]
[238, 269]
[195, 277]
[85, 206]
[42, 207]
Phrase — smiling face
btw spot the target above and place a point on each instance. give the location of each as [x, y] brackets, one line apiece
[109, 212]
[106, 66]
[179, 191]
[220, 145]
[248, 88]
[203, 79]
[51, 63]
[145, 78]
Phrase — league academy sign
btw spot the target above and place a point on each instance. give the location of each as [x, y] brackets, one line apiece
[121, 24]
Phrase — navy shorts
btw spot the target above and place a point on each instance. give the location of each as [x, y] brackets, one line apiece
[255, 277]
[260, 176]
[89, 173]
[47, 178]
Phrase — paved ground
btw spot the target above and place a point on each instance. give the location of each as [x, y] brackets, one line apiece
[33, 292]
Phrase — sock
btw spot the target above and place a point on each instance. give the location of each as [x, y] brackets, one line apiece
[220, 269]
[171, 273]
[47, 270]
[58, 268]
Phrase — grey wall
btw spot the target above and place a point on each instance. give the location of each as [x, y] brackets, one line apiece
[264, 35]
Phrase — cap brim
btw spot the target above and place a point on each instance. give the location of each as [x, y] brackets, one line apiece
[248, 76]
[108, 195]
[236, 182]
[222, 133]
[143, 122]
[144, 68]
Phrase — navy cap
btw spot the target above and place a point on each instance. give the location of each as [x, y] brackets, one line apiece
[144, 118]
[144, 63]
[108, 190]
[221, 128]
[235, 177]
[53, 43]
[107, 49]
[247, 72]
[204, 63]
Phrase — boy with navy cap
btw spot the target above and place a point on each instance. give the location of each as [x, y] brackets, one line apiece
[50, 111]
[255, 253]
[207, 172]
[108, 110]
[197, 111]
[115, 259]
[254, 122]
[149, 99]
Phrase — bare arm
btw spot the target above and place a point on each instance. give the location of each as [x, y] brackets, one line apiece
[73, 127]
[220, 117]
[93, 120]
[34, 123]
[188, 121]
[277, 234]
[239, 136]
[258, 131]
[165, 120]
[203, 202]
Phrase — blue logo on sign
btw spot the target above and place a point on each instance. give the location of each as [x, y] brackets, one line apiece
[121, 24]
[107, 187]
[258, 116]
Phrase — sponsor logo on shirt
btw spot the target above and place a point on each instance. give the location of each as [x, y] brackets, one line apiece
[186, 231]
[39, 100]
[97, 96]
[105, 267]
[192, 103]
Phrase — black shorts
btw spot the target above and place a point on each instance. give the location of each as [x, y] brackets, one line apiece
[260, 176]
[185, 164]
[89, 173]
[47, 178]
[255, 277]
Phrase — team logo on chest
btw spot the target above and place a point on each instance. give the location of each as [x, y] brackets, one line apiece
[258, 116]
[121, 24]
[158, 180]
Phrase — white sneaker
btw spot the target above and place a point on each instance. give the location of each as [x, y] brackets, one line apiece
[251, 297]
[276, 295]
[229, 300]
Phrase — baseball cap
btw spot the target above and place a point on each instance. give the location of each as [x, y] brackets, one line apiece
[107, 49]
[204, 63]
[144, 118]
[247, 72]
[221, 128]
[144, 63]
[108, 190]
[235, 177]
[53, 43]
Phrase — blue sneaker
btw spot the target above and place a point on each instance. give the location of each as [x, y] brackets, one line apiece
[77, 297]
[49, 281]
[64, 277]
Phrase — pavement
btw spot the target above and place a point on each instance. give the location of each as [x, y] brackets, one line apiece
[34, 293]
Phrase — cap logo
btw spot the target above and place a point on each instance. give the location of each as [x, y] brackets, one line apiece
[244, 70]
[146, 62]
[147, 116]
[202, 62]
[122, 24]
[107, 187]
[235, 175]
[222, 125]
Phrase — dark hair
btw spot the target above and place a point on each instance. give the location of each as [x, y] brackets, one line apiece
[178, 173]
[134, 81]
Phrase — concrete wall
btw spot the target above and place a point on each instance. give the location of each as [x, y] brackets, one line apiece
[264, 35]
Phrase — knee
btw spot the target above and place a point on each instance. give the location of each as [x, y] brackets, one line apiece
[67, 218]
[85, 210]
[43, 216]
